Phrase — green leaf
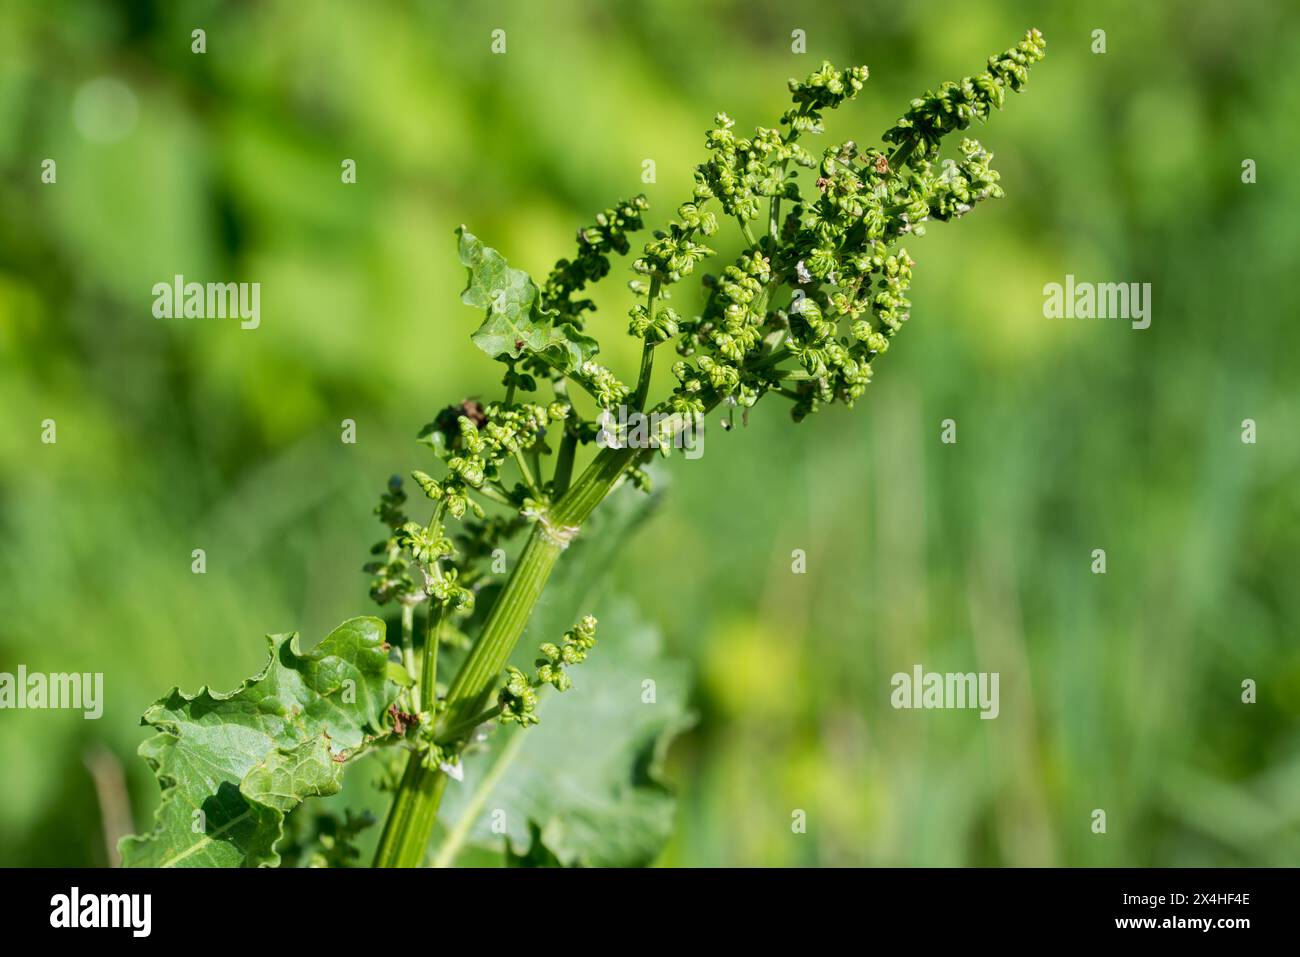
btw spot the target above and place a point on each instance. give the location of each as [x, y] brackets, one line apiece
[569, 348]
[516, 324]
[398, 674]
[247, 758]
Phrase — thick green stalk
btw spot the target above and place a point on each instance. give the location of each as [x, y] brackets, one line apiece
[410, 820]
[591, 487]
[460, 832]
[476, 679]
[415, 807]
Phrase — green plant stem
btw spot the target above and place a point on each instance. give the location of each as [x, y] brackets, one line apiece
[643, 380]
[530, 482]
[474, 682]
[408, 645]
[429, 671]
[774, 205]
[510, 389]
[647, 352]
[452, 844]
[903, 153]
[749, 234]
[411, 818]
[564, 464]
[535, 463]
[415, 807]
[495, 494]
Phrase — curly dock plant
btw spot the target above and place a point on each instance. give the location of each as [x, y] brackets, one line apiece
[816, 295]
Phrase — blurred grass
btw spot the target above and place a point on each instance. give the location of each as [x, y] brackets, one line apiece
[1118, 691]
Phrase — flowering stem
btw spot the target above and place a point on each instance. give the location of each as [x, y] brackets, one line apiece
[529, 481]
[415, 807]
[494, 493]
[647, 351]
[643, 382]
[841, 230]
[749, 234]
[903, 153]
[774, 205]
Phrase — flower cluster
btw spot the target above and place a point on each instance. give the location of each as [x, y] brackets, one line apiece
[603, 385]
[475, 441]
[741, 172]
[954, 106]
[731, 327]
[557, 308]
[595, 242]
[577, 642]
[834, 251]
[824, 90]
[517, 698]
[435, 756]
[674, 252]
[656, 328]
[391, 570]
[956, 189]
[414, 563]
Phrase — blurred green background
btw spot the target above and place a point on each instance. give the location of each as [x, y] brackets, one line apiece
[1119, 692]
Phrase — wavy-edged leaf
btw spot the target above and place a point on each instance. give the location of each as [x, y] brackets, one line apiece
[516, 323]
[246, 758]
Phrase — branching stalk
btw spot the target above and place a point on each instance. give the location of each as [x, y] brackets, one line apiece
[647, 352]
[410, 823]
